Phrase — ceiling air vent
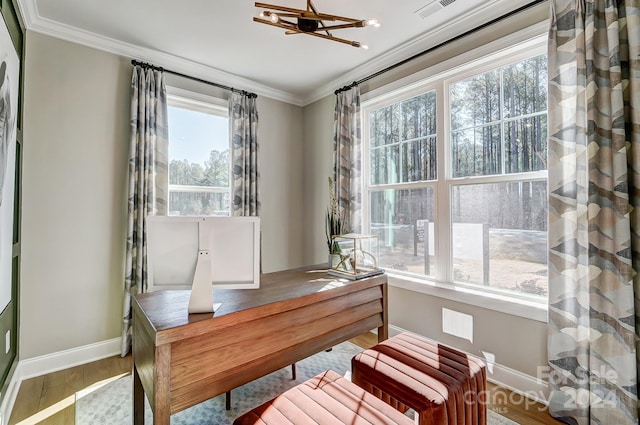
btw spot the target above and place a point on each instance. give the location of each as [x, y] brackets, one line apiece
[433, 8]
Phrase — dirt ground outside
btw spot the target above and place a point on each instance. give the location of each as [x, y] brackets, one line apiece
[513, 261]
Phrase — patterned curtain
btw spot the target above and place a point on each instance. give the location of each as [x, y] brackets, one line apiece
[148, 179]
[594, 222]
[243, 122]
[347, 162]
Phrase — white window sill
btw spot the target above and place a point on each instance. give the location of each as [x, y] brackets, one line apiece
[502, 303]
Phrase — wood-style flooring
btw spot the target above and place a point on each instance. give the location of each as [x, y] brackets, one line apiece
[50, 399]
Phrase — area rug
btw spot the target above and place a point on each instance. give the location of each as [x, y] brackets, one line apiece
[110, 403]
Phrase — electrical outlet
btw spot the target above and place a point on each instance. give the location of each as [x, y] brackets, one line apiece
[7, 341]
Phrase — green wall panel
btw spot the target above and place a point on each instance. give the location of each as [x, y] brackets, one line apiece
[7, 324]
[13, 25]
[9, 318]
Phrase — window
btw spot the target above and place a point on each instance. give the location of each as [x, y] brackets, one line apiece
[199, 156]
[455, 176]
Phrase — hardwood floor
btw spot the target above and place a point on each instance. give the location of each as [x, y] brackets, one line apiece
[50, 399]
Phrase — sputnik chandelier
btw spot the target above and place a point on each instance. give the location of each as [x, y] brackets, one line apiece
[309, 21]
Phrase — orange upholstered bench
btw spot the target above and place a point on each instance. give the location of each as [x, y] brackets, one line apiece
[326, 399]
[442, 385]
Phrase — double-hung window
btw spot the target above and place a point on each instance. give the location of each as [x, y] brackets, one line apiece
[199, 154]
[456, 175]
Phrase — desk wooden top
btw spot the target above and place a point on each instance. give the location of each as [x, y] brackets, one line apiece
[167, 316]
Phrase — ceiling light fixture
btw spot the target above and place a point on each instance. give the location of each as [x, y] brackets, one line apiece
[309, 21]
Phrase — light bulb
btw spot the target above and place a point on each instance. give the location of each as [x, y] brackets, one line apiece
[373, 23]
[274, 18]
[262, 14]
[364, 46]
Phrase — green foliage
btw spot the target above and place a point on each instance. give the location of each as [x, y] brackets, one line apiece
[214, 172]
[335, 223]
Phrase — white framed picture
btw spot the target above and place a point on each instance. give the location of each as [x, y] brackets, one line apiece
[9, 72]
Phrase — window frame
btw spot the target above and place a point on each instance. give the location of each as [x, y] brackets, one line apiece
[494, 56]
[199, 102]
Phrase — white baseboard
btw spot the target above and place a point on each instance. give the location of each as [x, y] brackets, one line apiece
[511, 379]
[395, 330]
[54, 362]
[525, 385]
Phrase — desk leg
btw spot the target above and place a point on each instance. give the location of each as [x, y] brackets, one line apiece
[383, 331]
[138, 398]
[162, 411]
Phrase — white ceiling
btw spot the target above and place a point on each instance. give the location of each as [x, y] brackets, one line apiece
[217, 40]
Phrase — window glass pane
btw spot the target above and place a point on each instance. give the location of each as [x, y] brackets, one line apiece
[385, 165]
[411, 118]
[374, 130]
[475, 101]
[428, 114]
[419, 160]
[419, 116]
[403, 222]
[476, 147]
[198, 203]
[525, 87]
[403, 123]
[198, 158]
[499, 235]
[476, 151]
[526, 144]
[385, 125]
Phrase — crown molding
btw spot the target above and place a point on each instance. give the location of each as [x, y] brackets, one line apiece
[414, 46]
[28, 10]
[34, 22]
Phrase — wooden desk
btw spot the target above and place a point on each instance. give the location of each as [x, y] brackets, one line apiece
[180, 360]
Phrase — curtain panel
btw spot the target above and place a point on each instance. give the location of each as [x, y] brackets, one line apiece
[347, 165]
[243, 122]
[594, 222]
[148, 180]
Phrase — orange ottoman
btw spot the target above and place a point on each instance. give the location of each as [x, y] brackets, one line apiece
[442, 385]
[327, 399]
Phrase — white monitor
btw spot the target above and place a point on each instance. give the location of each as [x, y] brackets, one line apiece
[203, 253]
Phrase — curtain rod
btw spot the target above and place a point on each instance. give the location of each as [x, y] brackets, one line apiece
[431, 49]
[168, 71]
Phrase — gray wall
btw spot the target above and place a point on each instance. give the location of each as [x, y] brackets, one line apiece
[76, 138]
[517, 342]
[318, 167]
[74, 205]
